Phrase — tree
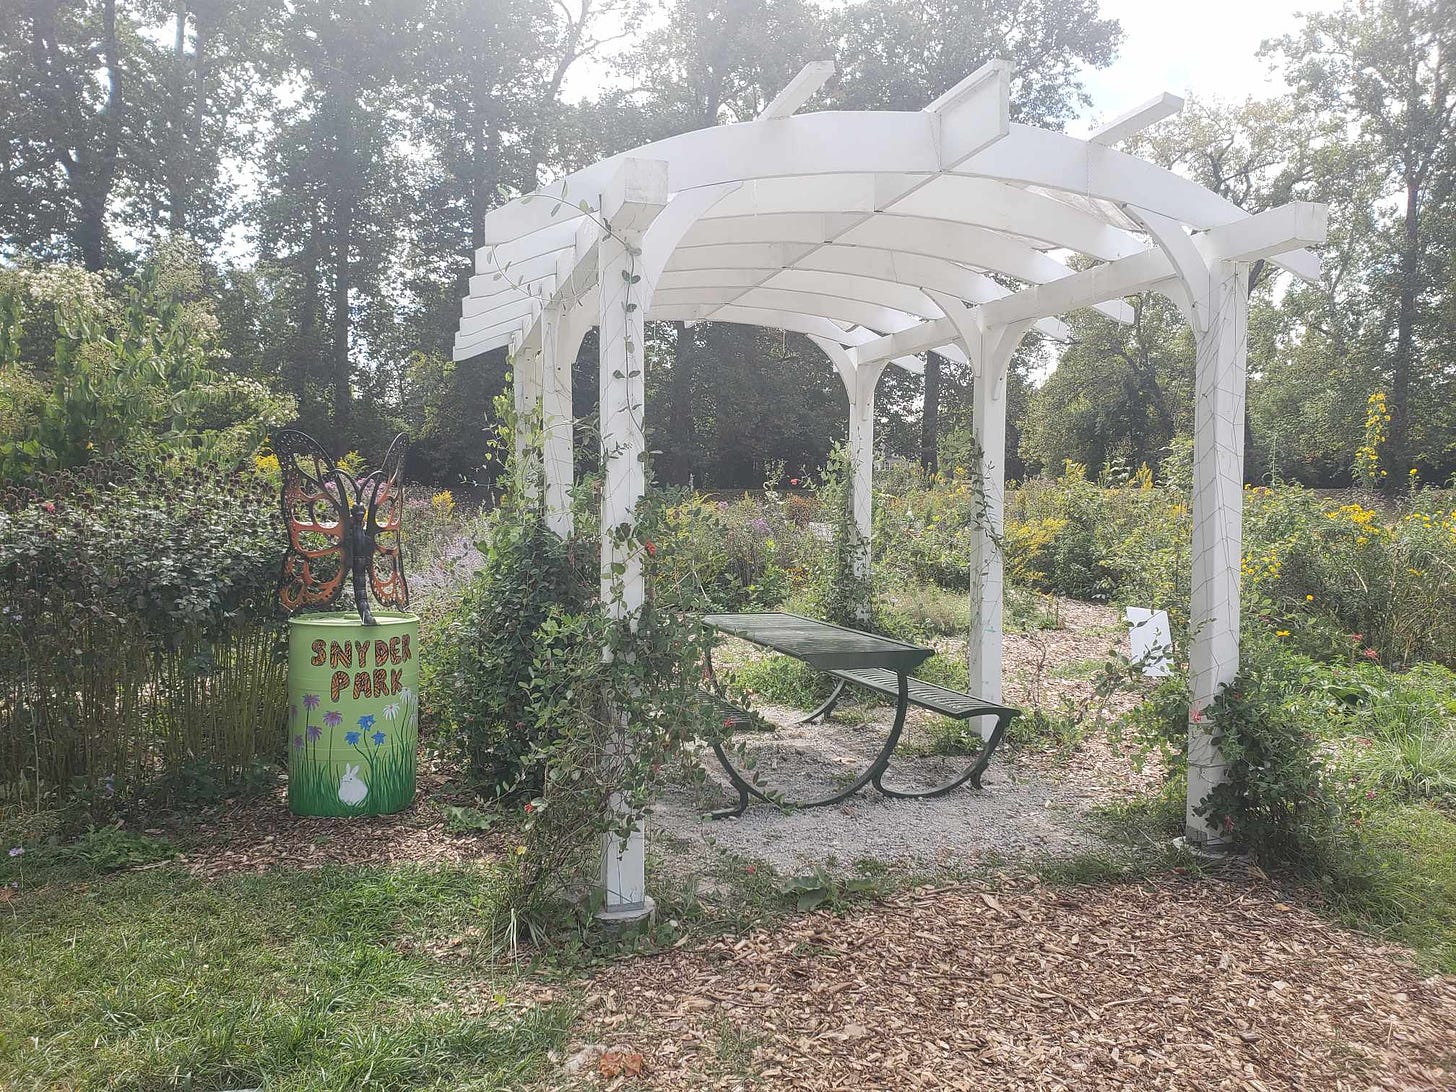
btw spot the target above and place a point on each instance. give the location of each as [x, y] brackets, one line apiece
[65, 125]
[902, 54]
[1385, 68]
[337, 183]
[1119, 394]
[712, 61]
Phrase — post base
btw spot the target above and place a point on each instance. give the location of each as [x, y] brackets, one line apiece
[623, 920]
[1211, 852]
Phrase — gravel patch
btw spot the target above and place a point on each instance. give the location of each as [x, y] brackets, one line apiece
[1018, 813]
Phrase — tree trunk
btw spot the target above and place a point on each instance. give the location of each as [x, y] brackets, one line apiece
[930, 417]
[1398, 444]
[177, 128]
[679, 463]
[87, 156]
[343, 232]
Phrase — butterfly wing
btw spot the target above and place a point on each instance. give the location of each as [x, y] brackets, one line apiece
[316, 513]
[386, 529]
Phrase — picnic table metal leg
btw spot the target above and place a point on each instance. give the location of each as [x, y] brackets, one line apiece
[876, 769]
[829, 703]
[881, 760]
[972, 772]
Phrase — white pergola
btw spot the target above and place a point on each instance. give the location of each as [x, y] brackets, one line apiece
[882, 235]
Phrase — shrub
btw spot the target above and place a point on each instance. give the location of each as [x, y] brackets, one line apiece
[1276, 801]
[88, 374]
[734, 555]
[138, 632]
[477, 668]
[1346, 581]
[550, 697]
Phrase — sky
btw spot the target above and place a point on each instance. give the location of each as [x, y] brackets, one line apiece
[1207, 49]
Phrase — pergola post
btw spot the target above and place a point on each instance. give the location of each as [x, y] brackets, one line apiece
[861, 390]
[860, 381]
[637, 193]
[556, 423]
[990, 351]
[526, 400]
[1213, 296]
[1218, 524]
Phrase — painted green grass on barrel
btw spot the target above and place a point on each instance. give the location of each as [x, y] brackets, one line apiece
[364, 768]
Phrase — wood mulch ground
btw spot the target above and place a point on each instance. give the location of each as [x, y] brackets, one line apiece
[1184, 983]
[261, 835]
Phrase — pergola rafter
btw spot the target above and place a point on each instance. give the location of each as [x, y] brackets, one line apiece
[883, 235]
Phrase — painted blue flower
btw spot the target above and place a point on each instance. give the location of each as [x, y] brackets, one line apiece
[351, 738]
[366, 721]
[378, 738]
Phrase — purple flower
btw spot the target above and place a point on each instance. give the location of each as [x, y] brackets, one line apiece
[378, 738]
[333, 718]
[314, 733]
[351, 738]
[760, 525]
[17, 851]
[310, 701]
[297, 743]
[293, 710]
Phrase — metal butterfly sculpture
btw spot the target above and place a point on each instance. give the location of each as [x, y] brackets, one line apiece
[340, 524]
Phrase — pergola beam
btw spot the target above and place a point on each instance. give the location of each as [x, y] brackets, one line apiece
[1136, 120]
[1278, 231]
[798, 91]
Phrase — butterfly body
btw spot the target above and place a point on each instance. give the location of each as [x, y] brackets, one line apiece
[340, 524]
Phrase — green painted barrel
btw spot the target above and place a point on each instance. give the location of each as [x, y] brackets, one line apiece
[353, 713]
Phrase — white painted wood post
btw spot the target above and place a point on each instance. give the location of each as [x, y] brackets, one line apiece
[859, 386]
[526, 399]
[636, 194]
[862, 468]
[1218, 525]
[556, 423]
[990, 352]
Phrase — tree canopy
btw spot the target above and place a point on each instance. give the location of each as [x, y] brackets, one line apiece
[333, 161]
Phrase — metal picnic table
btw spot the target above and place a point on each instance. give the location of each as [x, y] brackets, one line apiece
[878, 663]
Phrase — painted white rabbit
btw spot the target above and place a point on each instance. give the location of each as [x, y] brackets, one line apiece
[352, 791]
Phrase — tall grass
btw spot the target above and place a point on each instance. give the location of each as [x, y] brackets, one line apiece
[115, 713]
[138, 632]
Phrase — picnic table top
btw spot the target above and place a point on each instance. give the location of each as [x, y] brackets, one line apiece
[819, 644]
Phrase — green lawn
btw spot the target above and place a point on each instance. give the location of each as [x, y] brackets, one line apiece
[291, 980]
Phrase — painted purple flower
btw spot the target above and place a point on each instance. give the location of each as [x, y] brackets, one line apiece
[333, 718]
[310, 701]
[378, 738]
[351, 738]
[293, 710]
[366, 721]
[315, 733]
[297, 743]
